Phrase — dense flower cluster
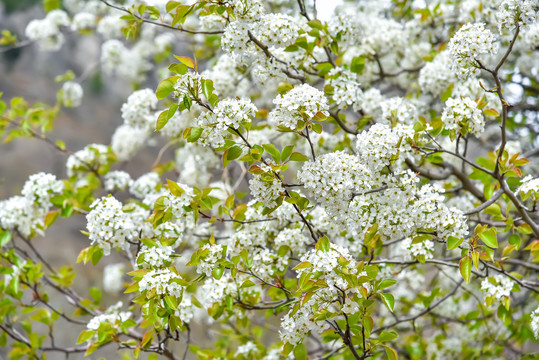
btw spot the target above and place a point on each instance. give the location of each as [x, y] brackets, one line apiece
[162, 281]
[71, 94]
[266, 188]
[463, 115]
[467, 46]
[47, 31]
[434, 77]
[137, 111]
[301, 103]
[91, 158]
[348, 228]
[513, 12]
[26, 213]
[108, 226]
[334, 177]
[228, 114]
[117, 180]
[345, 87]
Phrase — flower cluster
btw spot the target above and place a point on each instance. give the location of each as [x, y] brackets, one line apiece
[434, 77]
[127, 140]
[228, 114]
[155, 257]
[463, 115]
[529, 188]
[379, 146]
[531, 35]
[210, 254]
[145, 185]
[294, 239]
[112, 277]
[137, 112]
[333, 178]
[71, 94]
[266, 187]
[46, 32]
[162, 281]
[423, 249]
[26, 213]
[346, 90]
[91, 158]
[117, 180]
[83, 21]
[513, 12]
[498, 287]
[108, 225]
[277, 30]
[399, 110]
[301, 103]
[468, 45]
[40, 187]
[535, 323]
[112, 316]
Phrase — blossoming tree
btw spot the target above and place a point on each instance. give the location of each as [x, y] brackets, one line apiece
[358, 187]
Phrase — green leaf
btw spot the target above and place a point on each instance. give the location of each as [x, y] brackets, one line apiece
[162, 120]
[97, 255]
[192, 134]
[186, 61]
[179, 69]
[323, 244]
[491, 112]
[514, 240]
[273, 151]
[453, 242]
[165, 87]
[218, 272]
[388, 300]
[300, 352]
[465, 267]
[50, 5]
[489, 238]
[391, 353]
[5, 237]
[171, 301]
[387, 283]
[296, 156]
[96, 294]
[447, 94]
[302, 265]
[387, 336]
[234, 152]
[287, 151]
[174, 188]
[84, 336]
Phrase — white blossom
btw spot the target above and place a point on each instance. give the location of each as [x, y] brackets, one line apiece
[108, 226]
[468, 45]
[301, 103]
[228, 114]
[117, 180]
[112, 277]
[463, 115]
[163, 281]
[71, 94]
[497, 286]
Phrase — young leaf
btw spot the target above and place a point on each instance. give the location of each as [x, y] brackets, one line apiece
[389, 300]
[465, 267]
[489, 238]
